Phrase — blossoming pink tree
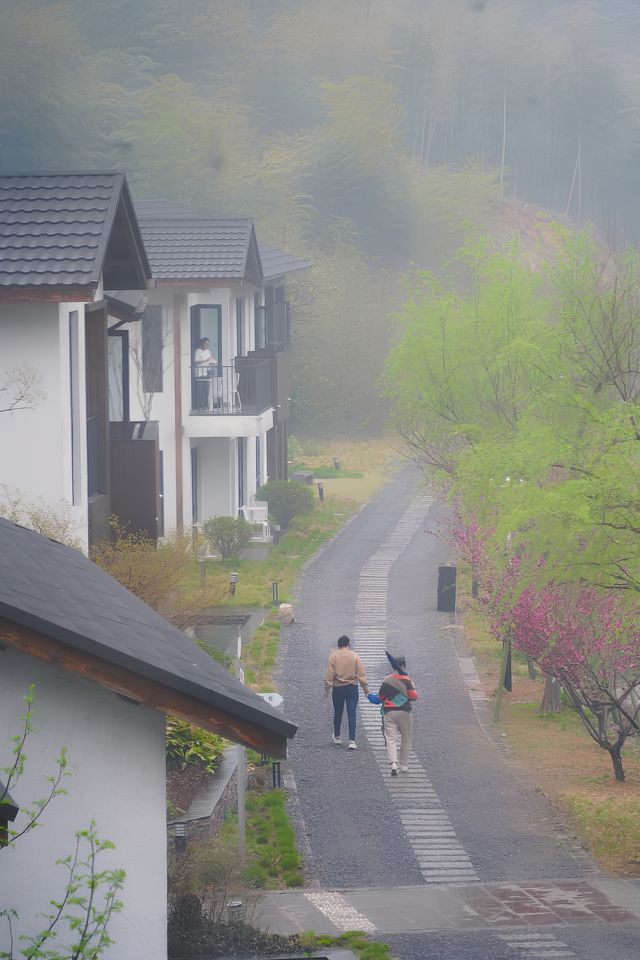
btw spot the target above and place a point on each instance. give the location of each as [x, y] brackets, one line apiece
[591, 645]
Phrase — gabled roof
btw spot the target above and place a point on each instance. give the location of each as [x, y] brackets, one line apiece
[66, 230]
[276, 263]
[58, 592]
[184, 246]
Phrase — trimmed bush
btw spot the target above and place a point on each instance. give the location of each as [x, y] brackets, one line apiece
[287, 499]
[227, 535]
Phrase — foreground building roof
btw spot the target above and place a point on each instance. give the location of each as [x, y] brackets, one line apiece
[58, 605]
[66, 231]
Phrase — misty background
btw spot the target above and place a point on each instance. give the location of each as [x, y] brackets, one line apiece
[365, 135]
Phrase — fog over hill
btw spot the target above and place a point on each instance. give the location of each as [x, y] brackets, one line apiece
[353, 131]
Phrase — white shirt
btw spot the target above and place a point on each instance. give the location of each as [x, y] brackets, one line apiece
[203, 359]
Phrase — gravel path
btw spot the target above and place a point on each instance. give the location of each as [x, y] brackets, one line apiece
[351, 817]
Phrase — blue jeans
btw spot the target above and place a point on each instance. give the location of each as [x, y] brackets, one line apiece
[347, 694]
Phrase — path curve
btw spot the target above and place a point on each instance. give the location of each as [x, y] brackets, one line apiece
[461, 814]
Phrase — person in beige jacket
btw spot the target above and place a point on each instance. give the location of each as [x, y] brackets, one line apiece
[343, 674]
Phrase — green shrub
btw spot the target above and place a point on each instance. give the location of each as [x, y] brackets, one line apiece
[227, 535]
[255, 875]
[294, 879]
[186, 744]
[287, 499]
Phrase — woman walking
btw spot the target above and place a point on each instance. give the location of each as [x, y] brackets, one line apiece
[396, 694]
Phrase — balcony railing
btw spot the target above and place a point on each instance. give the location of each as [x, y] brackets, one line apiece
[243, 388]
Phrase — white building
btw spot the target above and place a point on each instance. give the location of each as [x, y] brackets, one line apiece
[64, 238]
[106, 669]
[221, 427]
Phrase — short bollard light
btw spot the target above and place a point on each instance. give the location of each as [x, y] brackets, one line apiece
[336, 463]
[275, 600]
[233, 580]
[320, 490]
[180, 834]
[235, 911]
[276, 533]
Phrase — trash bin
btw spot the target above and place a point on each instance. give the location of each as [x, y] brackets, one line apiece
[447, 588]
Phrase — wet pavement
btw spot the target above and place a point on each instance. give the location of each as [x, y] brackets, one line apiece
[462, 847]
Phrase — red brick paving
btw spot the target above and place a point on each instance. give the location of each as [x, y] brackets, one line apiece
[509, 905]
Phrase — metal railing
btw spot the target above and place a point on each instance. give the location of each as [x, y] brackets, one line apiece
[218, 390]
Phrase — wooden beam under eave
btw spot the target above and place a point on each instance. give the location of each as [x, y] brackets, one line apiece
[152, 694]
[22, 294]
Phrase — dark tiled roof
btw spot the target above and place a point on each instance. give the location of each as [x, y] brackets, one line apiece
[277, 263]
[188, 247]
[55, 228]
[56, 590]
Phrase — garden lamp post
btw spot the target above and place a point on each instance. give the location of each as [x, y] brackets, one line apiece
[233, 580]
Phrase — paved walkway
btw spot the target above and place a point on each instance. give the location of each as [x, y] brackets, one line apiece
[506, 907]
[461, 841]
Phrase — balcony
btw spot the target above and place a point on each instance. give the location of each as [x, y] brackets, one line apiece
[242, 389]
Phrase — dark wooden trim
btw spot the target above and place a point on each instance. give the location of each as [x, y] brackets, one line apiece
[77, 294]
[152, 694]
[198, 284]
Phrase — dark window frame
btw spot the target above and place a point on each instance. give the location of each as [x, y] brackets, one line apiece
[239, 326]
[124, 336]
[259, 323]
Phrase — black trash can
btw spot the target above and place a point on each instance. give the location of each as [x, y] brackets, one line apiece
[447, 588]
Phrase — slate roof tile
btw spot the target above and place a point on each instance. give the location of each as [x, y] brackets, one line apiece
[277, 263]
[57, 591]
[54, 228]
[197, 249]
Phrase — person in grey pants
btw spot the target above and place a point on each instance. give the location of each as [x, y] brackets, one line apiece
[396, 694]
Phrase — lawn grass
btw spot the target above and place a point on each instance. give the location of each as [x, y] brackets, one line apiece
[560, 757]
[273, 862]
[354, 940]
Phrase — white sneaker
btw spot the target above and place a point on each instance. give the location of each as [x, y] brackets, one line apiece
[353, 745]
[337, 739]
[403, 768]
[394, 769]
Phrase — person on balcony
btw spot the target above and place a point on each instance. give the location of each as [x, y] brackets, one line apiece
[204, 364]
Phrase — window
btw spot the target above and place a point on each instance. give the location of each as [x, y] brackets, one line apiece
[152, 343]
[206, 321]
[260, 323]
[239, 326]
[74, 405]
[118, 367]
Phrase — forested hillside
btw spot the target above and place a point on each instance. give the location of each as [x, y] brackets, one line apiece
[363, 134]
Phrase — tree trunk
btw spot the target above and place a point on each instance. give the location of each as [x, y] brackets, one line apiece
[616, 760]
[551, 696]
[531, 667]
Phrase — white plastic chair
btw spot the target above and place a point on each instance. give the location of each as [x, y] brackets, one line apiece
[258, 513]
[237, 402]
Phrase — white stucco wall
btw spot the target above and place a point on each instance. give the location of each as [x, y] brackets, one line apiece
[35, 444]
[117, 766]
[215, 435]
[216, 478]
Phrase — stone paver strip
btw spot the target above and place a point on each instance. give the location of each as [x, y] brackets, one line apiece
[463, 906]
[424, 820]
